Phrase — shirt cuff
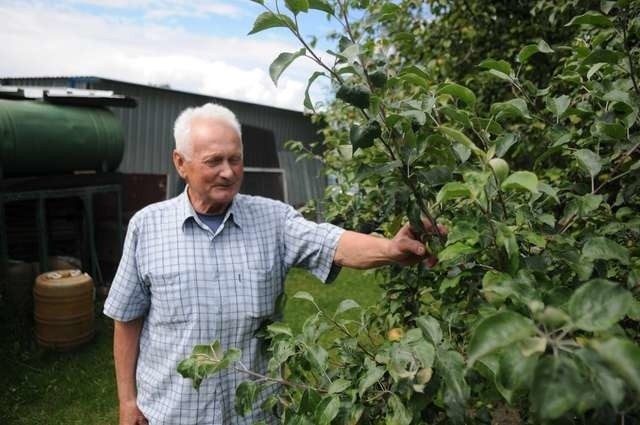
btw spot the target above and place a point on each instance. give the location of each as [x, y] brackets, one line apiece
[326, 270]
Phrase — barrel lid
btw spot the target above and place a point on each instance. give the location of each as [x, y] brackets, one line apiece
[57, 279]
[59, 274]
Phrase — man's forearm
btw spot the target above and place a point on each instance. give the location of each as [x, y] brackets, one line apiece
[360, 251]
[126, 337]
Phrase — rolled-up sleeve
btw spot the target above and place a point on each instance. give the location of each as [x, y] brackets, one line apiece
[128, 297]
[311, 245]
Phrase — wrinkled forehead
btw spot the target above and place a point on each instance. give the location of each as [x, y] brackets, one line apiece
[210, 135]
[214, 126]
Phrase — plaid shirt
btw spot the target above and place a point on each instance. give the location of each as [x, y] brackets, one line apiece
[194, 286]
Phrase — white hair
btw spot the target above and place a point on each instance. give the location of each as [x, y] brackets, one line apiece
[182, 126]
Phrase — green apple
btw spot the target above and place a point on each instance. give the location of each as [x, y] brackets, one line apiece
[500, 168]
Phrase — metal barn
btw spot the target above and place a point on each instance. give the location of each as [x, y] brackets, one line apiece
[270, 169]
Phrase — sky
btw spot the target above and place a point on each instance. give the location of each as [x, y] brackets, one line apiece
[199, 46]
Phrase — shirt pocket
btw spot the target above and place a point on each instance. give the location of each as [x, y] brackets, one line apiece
[170, 301]
[263, 291]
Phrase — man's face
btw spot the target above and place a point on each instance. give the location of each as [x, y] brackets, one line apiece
[215, 169]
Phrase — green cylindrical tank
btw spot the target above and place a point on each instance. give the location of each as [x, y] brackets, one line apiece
[38, 138]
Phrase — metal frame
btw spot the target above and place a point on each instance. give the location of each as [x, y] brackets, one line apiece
[275, 171]
[85, 193]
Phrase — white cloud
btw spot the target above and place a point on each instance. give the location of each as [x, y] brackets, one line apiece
[43, 40]
[166, 8]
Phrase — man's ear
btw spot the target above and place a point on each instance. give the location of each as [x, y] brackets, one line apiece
[178, 161]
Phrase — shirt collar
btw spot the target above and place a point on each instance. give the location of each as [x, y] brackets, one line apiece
[186, 211]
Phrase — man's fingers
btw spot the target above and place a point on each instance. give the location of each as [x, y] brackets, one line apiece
[417, 248]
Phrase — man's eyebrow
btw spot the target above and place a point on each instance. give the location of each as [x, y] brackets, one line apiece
[213, 156]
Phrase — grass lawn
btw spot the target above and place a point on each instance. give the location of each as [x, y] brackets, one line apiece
[43, 387]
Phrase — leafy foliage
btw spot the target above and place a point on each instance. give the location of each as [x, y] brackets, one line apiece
[524, 142]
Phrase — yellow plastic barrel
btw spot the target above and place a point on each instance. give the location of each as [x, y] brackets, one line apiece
[63, 309]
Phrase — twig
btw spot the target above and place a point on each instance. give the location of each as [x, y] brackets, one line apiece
[632, 71]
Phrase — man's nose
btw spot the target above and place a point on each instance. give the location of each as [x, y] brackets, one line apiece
[226, 170]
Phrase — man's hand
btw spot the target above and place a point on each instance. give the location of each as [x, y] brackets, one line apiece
[130, 414]
[406, 249]
[361, 251]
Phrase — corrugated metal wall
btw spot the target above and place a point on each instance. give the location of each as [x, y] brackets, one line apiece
[149, 130]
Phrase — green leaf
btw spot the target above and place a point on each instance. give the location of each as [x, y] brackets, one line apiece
[504, 142]
[514, 371]
[281, 63]
[552, 193]
[338, 386]
[532, 49]
[268, 20]
[459, 137]
[502, 69]
[317, 356]
[506, 238]
[599, 304]
[302, 295]
[463, 231]
[555, 388]
[610, 131]
[453, 190]
[307, 99]
[623, 356]
[460, 92]
[589, 161]
[456, 389]
[601, 248]
[494, 287]
[512, 108]
[206, 360]
[322, 5]
[454, 251]
[415, 75]
[297, 6]
[604, 378]
[595, 68]
[560, 104]
[592, 18]
[372, 376]
[423, 351]
[279, 329]
[430, 327]
[327, 410]
[346, 305]
[281, 302]
[603, 56]
[498, 331]
[400, 415]
[521, 180]
[533, 345]
[456, 115]
[497, 287]
[588, 203]
[309, 402]
[449, 282]
[246, 395]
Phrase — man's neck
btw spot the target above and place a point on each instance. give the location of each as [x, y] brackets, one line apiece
[205, 208]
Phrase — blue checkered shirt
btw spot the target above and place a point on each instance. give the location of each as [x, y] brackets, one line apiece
[193, 286]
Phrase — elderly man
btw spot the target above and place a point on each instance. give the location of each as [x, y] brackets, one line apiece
[209, 264]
